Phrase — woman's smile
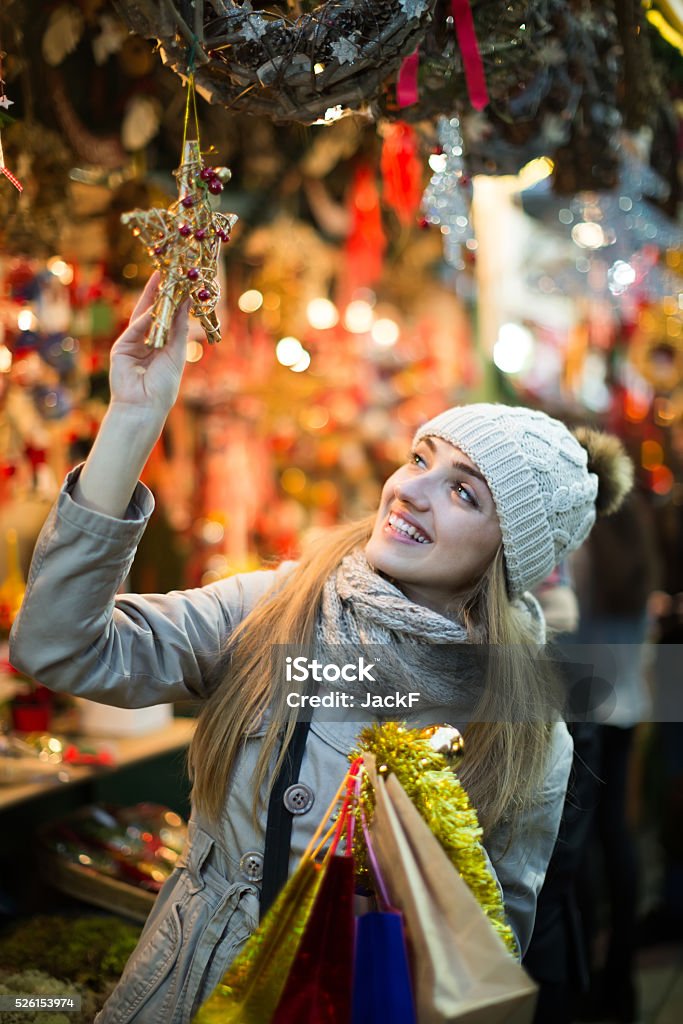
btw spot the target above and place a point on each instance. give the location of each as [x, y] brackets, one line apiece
[400, 527]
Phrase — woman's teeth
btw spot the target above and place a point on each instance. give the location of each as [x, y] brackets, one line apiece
[403, 527]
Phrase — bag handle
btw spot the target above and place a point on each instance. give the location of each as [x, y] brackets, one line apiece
[382, 893]
[279, 823]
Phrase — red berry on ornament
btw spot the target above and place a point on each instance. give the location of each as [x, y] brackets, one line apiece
[203, 294]
[215, 187]
[200, 233]
[187, 202]
[185, 230]
[193, 274]
[207, 173]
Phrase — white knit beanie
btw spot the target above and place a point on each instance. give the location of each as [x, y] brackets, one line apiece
[538, 475]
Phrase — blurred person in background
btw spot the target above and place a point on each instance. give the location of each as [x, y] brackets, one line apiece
[614, 576]
[557, 959]
[664, 922]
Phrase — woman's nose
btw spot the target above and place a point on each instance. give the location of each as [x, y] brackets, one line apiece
[412, 492]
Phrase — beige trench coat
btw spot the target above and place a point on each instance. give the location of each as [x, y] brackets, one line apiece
[75, 635]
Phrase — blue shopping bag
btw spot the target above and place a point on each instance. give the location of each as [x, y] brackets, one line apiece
[381, 979]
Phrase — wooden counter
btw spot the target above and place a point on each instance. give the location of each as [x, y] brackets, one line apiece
[126, 751]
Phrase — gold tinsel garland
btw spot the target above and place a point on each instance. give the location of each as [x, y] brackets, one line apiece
[429, 780]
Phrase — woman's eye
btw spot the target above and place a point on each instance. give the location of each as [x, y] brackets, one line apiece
[416, 458]
[464, 493]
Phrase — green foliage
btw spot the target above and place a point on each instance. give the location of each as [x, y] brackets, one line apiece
[38, 983]
[89, 950]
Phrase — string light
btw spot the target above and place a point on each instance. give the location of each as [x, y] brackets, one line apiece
[250, 301]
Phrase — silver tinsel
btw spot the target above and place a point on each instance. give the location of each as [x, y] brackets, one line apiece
[448, 197]
[617, 237]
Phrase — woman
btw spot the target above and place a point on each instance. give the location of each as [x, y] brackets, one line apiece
[487, 503]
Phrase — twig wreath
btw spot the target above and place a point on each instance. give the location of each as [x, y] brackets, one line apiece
[304, 68]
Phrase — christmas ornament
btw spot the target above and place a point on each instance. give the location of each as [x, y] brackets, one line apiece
[366, 241]
[34, 225]
[183, 242]
[427, 776]
[6, 103]
[401, 171]
[448, 196]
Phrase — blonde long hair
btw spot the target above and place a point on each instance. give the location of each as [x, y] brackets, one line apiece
[506, 745]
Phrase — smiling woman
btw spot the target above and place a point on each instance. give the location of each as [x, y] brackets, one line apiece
[487, 503]
[437, 529]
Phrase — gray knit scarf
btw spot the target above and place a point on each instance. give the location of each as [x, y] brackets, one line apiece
[412, 647]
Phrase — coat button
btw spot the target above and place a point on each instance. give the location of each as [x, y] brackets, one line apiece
[298, 798]
[251, 865]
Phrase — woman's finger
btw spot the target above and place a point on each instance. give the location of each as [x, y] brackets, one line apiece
[136, 330]
[147, 297]
[177, 336]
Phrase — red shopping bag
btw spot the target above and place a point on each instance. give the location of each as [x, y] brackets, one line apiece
[318, 988]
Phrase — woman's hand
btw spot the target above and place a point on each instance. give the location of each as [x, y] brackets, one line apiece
[143, 376]
[144, 385]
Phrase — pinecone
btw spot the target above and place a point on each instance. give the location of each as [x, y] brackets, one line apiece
[377, 15]
[278, 41]
[250, 54]
[346, 22]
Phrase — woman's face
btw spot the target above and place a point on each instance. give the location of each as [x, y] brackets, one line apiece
[436, 529]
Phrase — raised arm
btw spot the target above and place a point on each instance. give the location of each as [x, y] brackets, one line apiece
[144, 384]
[73, 632]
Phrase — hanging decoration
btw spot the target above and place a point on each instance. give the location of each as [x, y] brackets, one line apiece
[183, 241]
[559, 78]
[33, 225]
[327, 60]
[448, 196]
[5, 104]
[473, 67]
[618, 235]
[401, 171]
[366, 241]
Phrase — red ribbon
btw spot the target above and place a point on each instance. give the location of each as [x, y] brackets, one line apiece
[10, 177]
[469, 47]
[406, 85]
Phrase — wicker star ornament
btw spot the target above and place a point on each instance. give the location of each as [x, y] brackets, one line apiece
[183, 243]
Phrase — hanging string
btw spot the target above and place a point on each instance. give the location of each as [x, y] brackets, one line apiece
[345, 813]
[191, 97]
[312, 849]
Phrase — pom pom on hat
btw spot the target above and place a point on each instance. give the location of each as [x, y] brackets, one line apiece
[607, 458]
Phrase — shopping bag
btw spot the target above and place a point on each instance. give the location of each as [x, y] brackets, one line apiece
[318, 988]
[251, 988]
[462, 971]
[381, 978]
[252, 985]
[381, 982]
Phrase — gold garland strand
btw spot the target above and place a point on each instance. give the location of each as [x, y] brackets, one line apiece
[429, 780]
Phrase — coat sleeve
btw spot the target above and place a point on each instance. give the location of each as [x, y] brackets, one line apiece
[75, 634]
[520, 858]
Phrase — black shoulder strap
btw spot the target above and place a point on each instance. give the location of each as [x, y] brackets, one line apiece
[279, 824]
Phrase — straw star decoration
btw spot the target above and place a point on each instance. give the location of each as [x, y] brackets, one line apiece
[183, 243]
